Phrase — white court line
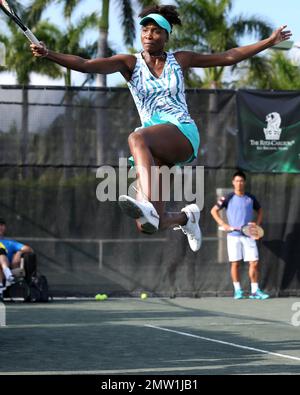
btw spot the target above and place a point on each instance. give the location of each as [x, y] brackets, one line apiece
[2, 314]
[225, 343]
[108, 371]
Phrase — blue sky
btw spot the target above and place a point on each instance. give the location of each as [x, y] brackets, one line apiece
[275, 11]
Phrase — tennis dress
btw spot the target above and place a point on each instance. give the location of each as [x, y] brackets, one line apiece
[161, 99]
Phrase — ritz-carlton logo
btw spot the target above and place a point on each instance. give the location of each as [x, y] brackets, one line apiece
[273, 130]
[273, 133]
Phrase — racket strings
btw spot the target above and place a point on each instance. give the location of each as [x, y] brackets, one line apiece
[253, 231]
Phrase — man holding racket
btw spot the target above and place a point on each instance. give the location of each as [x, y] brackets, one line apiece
[240, 207]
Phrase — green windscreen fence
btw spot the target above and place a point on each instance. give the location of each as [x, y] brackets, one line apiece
[53, 140]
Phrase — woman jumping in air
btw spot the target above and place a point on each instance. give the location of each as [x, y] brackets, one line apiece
[168, 135]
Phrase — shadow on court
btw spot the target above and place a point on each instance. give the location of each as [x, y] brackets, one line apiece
[186, 336]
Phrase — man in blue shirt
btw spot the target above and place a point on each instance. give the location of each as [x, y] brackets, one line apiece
[240, 207]
[10, 257]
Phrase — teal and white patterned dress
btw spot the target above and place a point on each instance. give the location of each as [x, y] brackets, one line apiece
[162, 99]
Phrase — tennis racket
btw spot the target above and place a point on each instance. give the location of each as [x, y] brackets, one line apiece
[253, 231]
[9, 10]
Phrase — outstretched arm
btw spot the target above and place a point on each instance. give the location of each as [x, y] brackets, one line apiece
[232, 56]
[118, 63]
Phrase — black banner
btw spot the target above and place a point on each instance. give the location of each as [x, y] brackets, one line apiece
[269, 131]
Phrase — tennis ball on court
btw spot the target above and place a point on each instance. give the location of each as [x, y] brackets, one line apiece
[144, 295]
[101, 297]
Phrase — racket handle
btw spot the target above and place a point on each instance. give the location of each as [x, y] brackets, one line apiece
[224, 230]
[31, 37]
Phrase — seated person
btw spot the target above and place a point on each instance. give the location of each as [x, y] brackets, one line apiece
[11, 252]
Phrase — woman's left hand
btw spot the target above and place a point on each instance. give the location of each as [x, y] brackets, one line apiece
[280, 35]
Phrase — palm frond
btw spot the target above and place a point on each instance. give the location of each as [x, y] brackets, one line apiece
[75, 32]
[146, 3]
[127, 21]
[255, 26]
[69, 7]
[207, 26]
[35, 10]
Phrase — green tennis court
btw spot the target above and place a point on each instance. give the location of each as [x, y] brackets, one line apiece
[182, 336]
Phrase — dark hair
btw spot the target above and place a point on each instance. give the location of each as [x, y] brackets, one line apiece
[2, 221]
[167, 11]
[239, 173]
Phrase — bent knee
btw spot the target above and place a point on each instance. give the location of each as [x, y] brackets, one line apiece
[136, 139]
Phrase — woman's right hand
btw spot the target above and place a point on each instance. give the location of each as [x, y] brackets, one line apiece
[40, 51]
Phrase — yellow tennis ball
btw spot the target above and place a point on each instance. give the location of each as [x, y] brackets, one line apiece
[104, 296]
[144, 295]
[98, 297]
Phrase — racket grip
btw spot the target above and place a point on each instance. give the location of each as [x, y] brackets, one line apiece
[224, 230]
[31, 37]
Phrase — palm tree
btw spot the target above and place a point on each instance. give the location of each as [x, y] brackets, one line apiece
[276, 71]
[20, 60]
[69, 40]
[18, 56]
[126, 8]
[126, 20]
[208, 27]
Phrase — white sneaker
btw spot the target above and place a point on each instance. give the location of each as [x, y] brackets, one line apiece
[192, 229]
[143, 211]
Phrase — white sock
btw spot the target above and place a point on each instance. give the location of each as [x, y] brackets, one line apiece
[237, 286]
[254, 287]
[7, 272]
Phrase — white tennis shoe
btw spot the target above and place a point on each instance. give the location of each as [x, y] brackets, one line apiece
[192, 229]
[143, 211]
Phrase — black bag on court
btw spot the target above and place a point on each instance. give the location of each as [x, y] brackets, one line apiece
[29, 265]
[36, 284]
[38, 289]
[31, 285]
